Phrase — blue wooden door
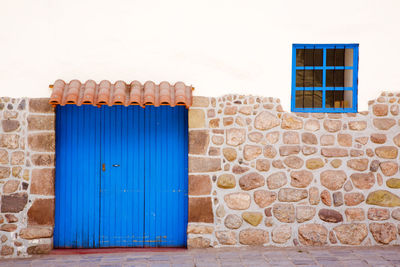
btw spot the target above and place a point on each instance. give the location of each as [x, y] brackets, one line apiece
[121, 177]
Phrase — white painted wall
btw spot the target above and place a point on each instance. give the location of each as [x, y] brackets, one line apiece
[217, 46]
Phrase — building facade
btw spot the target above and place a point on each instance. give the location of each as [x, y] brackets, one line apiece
[255, 175]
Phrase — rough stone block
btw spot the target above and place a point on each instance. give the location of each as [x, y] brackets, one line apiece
[41, 123]
[378, 214]
[383, 198]
[4, 172]
[199, 229]
[301, 179]
[383, 233]
[378, 138]
[264, 198]
[389, 168]
[363, 180]
[226, 237]
[393, 183]
[313, 196]
[353, 199]
[255, 137]
[252, 218]
[10, 186]
[253, 237]
[334, 152]
[355, 214]
[36, 232]
[6, 250]
[293, 162]
[200, 102]
[309, 138]
[276, 180]
[251, 152]
[333, 179]
[10, 125]
[235, 136]
[329, 215]
[386, 152]
[200, 210]
[358, 164]
[10, 141]
[314, 163]
[43, 182]
[332, 125]
[345, 140]
[238, 201]
[263, 165]
[291, 138]
[251, 181]
[42, 142]
[199, 141]
[384, 123]
[351, 234]
[326, 198]
[233, 221]
[380, 109]
[200, 164]
[41, 212]
[281, 234]
[14, 203]
[265, 120]
[198, 242]
[40, 105]
[304, 213]
[289, 150]
[292, 195]
[199, 185]
[357, 125]
[197, 118]
[312, 125]
[312, 234]
[43, 160]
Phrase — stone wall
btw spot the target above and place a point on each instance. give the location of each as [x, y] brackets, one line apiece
[257, 175]
[262, 176]
[27, 146]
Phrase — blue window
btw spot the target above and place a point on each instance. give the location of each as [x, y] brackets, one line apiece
[324, 77]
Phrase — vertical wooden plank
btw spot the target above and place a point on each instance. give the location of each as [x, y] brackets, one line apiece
[77, 175]
[166, 144]
[122, 185]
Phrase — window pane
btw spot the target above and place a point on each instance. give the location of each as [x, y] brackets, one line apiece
[308, 78]
[308, 99]
[348, 57]
[339, 78]
[339, 57]
[338, 99]
[309, 57]
[317, 99]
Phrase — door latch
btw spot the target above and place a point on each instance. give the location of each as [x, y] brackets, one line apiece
[103, 167]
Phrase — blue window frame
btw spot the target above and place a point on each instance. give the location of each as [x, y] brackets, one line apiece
[324, 77]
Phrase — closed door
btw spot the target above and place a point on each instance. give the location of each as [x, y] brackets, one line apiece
[121, 177]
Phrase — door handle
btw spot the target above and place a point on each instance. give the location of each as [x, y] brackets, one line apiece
[103, 167]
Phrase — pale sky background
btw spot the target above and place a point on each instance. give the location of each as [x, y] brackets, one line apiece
[219, 47]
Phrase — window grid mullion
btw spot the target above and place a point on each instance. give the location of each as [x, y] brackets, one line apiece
[324, 78]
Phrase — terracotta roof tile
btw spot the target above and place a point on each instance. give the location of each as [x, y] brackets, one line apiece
[120, 93]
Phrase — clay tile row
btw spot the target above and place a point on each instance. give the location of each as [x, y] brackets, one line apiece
[120, 93]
